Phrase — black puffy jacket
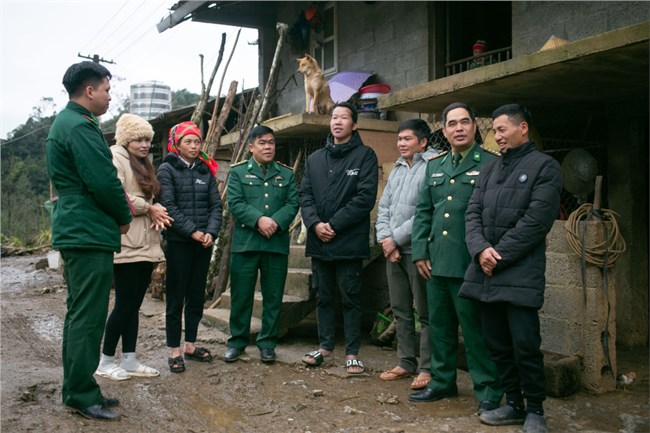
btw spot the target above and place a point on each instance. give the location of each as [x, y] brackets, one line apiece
[512, 209]
[191, 197]
[339, 186]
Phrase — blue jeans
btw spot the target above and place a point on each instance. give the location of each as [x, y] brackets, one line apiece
[326, 275]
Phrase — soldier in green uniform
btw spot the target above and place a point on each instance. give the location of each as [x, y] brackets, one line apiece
[441, 256]
[263, 200]
[91, 213]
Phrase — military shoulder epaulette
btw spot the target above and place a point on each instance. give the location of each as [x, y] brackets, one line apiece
[284, 165]
[239, 163]
[492, 151]
[438, 155]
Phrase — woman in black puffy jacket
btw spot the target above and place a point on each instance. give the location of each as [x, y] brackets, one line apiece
[188, 189]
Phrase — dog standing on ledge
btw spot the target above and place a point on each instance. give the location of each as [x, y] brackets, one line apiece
[317, 91]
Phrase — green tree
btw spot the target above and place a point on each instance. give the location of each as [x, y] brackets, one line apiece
[183, 98]
[23, 175]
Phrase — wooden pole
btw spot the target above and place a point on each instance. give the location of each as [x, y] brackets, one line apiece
[198, 110]
[216, 127]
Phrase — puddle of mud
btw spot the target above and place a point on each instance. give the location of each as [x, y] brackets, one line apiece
[49, 327]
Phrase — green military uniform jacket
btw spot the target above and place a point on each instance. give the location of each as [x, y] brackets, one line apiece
[439, 223]
[92, 203]
[251, 195]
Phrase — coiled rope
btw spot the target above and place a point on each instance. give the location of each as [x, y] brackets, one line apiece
[607, 251]
[603, 254]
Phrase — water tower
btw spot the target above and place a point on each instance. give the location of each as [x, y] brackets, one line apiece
[150, 98]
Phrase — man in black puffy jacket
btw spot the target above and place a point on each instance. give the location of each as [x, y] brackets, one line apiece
[512, 209]
[337, 193]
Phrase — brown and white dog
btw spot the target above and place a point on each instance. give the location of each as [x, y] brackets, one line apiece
[317, 91]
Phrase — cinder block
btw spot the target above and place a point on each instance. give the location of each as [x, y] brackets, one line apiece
[561, 335]
[562, 374]
[564, 269]
[557, 241]
[563, 302]
[562, 371]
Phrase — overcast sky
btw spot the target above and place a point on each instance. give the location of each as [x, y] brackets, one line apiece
[40, 39]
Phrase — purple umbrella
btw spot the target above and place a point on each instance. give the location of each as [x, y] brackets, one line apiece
[345, 84]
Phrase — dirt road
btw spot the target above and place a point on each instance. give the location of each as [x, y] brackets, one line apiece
[248, 396]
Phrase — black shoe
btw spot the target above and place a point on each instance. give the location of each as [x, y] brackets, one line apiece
[486, 406]
[505, 415]
[232, 354]
[110, 402]
[428, 395]
[98, 411]
[267, 355]
[535, 424]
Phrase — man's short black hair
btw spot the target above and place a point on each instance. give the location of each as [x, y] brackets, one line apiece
[455, 105]
[82, 74]
[258, 131]
[419, 127]
[516, 113]
[349, 106]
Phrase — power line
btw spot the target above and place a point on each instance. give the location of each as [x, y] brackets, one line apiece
[13, 140]
[105, 25]
[136, 27]
[120, 26]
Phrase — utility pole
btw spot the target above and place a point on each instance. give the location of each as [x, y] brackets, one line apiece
[95, 58]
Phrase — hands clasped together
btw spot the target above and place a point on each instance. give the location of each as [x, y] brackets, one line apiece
[324, 232]
[159, 217]
[391, 252]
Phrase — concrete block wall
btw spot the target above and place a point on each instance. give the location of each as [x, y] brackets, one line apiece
[573, 320]
[397, 51]
[533, 23]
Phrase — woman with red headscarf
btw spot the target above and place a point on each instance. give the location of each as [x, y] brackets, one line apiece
[188, 189]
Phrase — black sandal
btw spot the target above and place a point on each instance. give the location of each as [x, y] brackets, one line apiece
[176, 365]
[200, 354]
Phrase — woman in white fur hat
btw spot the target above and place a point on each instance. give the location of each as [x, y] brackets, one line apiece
[140, 247]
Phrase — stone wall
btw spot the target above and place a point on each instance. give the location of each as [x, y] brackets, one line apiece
[533, 23]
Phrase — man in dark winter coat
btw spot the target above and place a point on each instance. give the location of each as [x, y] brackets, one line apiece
[513, 207]
[337, 193]
[91, 213]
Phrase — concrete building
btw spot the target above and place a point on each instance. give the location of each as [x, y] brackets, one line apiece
[150, 98]
[590, 93]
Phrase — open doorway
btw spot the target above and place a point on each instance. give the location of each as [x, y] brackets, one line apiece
[469, 22]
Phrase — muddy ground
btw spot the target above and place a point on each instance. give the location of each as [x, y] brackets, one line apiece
[248, 396]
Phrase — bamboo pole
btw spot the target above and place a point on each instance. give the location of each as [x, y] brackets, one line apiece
[205, 96]
[239, 154]
[216, 126]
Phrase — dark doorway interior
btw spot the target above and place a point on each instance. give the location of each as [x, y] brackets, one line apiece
[470, 21]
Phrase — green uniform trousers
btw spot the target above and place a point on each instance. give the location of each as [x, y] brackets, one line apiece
[244, 269]
[446, 311]
[88, 274]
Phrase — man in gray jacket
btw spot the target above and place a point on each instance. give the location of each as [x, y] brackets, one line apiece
[394, 226]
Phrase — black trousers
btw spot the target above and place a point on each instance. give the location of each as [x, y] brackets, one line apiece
[131, 283]
[326, 275]
[512, 336]
[187, 270]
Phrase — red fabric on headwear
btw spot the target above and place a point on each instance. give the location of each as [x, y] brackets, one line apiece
[176, 134]
[479, 45]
